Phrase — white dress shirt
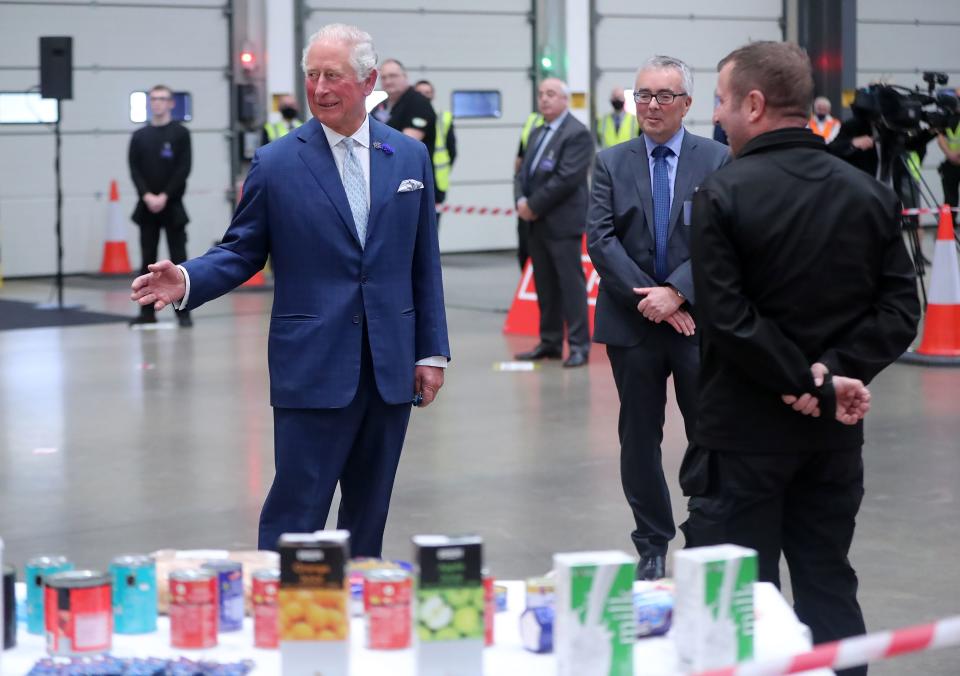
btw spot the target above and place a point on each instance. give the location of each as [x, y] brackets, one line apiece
[361, 137]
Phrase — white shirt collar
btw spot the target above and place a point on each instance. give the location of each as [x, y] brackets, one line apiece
[361, 135]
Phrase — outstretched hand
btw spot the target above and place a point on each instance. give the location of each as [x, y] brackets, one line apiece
[164, 284]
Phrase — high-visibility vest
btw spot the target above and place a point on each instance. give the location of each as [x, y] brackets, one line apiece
[441, 155]
[826, 130]
[611, 136]
[534, 120]
[953, 138]
[277, 129]
[912, 159]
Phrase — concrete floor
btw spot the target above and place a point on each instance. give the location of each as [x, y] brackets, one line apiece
[116, 441]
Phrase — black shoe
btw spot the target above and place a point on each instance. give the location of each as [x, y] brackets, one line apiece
[576, 359]
[143, 319]
[652, 567]
[183, 318]
[541, 351]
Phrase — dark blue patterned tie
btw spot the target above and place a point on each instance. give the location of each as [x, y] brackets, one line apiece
[661, 209]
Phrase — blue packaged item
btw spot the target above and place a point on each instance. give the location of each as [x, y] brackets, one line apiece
[230, 592]
[34, 573]
[536, 629]
[134, 594]
[652, 607]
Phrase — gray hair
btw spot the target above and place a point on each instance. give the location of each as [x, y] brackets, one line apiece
[363, 56]
[823, 99]
[661, 62]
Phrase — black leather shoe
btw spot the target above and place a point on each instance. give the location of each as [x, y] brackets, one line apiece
[576, 359]
[652, 567]
[541, 351]
[183, 318]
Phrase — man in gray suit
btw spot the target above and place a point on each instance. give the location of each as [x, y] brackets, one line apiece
[638, 238]
[551, 193]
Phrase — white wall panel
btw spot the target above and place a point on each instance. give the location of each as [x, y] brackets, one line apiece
[896, 10]
[741, 8]
[460, 45]
[117, 50]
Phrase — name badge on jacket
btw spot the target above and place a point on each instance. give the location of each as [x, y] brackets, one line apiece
[167, 151]
[548, 163]
[687, 211]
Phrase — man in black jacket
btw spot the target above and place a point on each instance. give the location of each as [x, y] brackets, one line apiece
[804, 293]
[160, 158]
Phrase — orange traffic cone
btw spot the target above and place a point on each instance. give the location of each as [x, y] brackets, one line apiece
[115, 258]
[941, 325]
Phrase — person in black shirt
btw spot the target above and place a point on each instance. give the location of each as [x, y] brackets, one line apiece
[159, 159]
[409, 111]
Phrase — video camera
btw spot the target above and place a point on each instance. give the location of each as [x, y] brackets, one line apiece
[907, 111]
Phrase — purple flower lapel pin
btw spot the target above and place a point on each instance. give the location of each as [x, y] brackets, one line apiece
[385, 147]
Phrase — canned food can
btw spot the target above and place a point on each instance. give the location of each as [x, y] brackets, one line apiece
[78, 612]
[9, 607]
[194, 611]
[386, 602]
[34, 572]
[500, 596]
[134, 594]
[266, 583]
[489, 608]
[230, 587]
[540, 592]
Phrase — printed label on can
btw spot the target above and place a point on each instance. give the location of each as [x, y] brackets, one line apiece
[78, 620]
[134, 595]
[386, 600]
[265, 617]
[194, 611]
[230, 587]
[34, 573]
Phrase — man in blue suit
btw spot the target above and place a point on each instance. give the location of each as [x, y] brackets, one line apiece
[344, 206]
[638, 236]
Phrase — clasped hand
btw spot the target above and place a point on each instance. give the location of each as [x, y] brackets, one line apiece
[663, 304]
[853, 397]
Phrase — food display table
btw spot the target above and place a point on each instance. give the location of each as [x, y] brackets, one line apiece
[777, 634]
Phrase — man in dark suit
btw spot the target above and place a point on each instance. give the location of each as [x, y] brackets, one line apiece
[551, 194]
[805, 291]
[638, 237]
[344, 207]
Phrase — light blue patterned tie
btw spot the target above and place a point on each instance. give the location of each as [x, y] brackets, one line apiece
[355, 186]
[661, 209]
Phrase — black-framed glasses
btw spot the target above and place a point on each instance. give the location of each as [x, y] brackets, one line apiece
[664, 97]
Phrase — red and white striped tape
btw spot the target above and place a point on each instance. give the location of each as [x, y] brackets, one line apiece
[478, 211]
[851, 652]
[919, 212]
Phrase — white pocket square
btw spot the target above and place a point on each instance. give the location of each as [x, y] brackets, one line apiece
[409, 185]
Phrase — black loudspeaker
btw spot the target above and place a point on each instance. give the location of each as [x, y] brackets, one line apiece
[56, 67]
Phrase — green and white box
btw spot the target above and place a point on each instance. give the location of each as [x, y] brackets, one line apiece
[448, 617]
[713, 606]
[594, 627]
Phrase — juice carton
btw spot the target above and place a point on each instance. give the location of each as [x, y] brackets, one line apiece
[312, 604]
[449, 605]
[713, 605]
[594, 632]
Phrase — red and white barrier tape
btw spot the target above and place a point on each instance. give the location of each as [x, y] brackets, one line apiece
[919, 212]
[851, 652]
[478, 211]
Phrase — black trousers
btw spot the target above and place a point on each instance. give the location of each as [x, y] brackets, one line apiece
[561, 290]
[641, 373]
[950, 179]
[803, 504]
[523, 248]
[150, 244]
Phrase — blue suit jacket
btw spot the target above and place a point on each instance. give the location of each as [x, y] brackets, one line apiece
[620, 231]
[294, 208]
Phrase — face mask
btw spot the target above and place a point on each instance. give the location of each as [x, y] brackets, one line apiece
[821, 116]
[617, 105]
[288, 113]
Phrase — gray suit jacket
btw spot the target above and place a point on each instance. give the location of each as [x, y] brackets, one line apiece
[557, 189]
[620, 231]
